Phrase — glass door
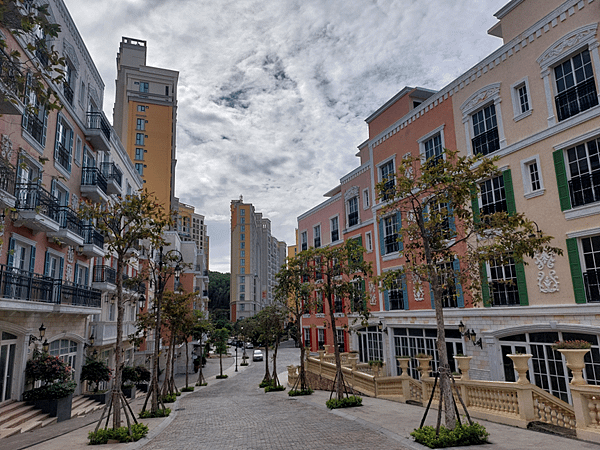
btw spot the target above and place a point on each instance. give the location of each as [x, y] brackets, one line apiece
[8, 346]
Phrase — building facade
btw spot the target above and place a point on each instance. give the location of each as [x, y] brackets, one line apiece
[534, 103]
[256, 257]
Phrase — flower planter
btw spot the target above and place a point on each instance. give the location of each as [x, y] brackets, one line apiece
[521, 364]
[143, 387]
[464, 364]
[424, 366]
[404, 366]
[101, 397]
[328, 348]
[59, 408]
[128, 391]
[575, 362]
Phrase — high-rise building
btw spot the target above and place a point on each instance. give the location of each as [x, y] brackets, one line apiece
[145, 118]
[255, 259]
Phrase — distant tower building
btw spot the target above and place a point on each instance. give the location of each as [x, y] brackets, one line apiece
[145, 118]
[256, 257]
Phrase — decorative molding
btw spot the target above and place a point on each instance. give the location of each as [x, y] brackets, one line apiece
[580, 37]
[69, 51]
[70, 254]
[418, 291]
[372, 294]
[350, 193]
[6, 147]
[547, 283]
[491, 92]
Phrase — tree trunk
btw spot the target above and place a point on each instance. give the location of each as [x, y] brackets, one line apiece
[116, 390]
[339, 377]
[187, 363]
[201, 380]
[267, 376]
[155, 367]
[221, 363]
[275, 378]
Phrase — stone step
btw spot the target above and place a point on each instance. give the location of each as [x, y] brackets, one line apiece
[6, 432]
[19, 419]
[48, 421]
[8, 414]
[32, 424]
[549, 428]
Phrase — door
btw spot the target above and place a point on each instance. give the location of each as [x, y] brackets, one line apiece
[8, 346]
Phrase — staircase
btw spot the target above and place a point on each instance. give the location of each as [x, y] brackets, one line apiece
[18, 417]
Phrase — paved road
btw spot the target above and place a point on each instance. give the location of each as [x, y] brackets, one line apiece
[236, 414]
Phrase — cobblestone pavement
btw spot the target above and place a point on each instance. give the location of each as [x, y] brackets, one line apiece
[236, 414]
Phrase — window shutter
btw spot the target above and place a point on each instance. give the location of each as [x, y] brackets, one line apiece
[404, 293]
[46, 264]
[485, 287]
[32, 259]
[386, 299]
[86, 274]
[561, 180]
[25, 119]
[44, 130]
[460, 299]
[60, 269]
[431, 297]
[10, 260]
[57, 136]
[509, 191]
[451, 221]
[70, 148]
[75, 273]
[398, 227]
[521, 284]
[381, 237]
[576, 272]
[475, 206]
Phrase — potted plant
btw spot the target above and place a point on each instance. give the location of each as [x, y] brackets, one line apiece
[129, 377]
[574, 352]
[404, 361]
[94, 371]
[55, 395]
[521, 365]
[376, 365]
[424, 360]
[143, 378]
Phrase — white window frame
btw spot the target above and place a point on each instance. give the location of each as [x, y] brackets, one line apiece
[380, 166]
[26, 245]
[366, 199]
[317, 227]
[369, 241]
[516, 99]
[528, 190]
[303, 239]
[78, 151]
[58, 256]
[423, 139]
[337, 216]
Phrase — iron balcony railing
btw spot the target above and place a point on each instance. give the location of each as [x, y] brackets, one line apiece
[31, 196]
[24, 285]
[112, 172]
[7, 176]
[104, 274]
[92, 236]
[487, 142]
[97, 121]
[591, 279]
[68, 91]
[585, 189]
[63, 156]
[91, 176]
[580, 97]
[41, 52]
[68, 219]
[10, 74]
[34, 126]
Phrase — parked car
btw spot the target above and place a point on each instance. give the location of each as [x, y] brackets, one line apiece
[257, 355]
[249, 345]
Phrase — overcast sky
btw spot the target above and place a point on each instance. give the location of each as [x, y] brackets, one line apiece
[273, 93]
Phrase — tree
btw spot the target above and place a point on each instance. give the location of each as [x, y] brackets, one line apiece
[270, 323]
[219, 340]
[446, 241]
[333, 275]
[218, 292]
[203, 327]
[125, 222]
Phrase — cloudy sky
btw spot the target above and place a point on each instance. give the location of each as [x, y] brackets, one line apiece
[273, 93]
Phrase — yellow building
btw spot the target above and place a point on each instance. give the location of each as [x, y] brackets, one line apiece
[145, 118]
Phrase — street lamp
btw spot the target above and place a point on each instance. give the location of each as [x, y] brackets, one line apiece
[32, 338]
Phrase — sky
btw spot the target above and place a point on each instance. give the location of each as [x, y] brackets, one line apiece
[273, 94]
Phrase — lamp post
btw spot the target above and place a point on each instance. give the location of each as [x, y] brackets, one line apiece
[45, 344]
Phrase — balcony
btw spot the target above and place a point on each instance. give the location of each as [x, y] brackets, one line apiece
[17, 284]
[591, 280]
[7, 184]
[68, 92]
[41, 52]
[93, 185]
[98, 130]
[104, 278]
[579, 98]
[486, 143]
[585, 189]
[105, 333]
[35, 127]
[37, 208]
[62, 156]
[114, 177]
[12, 86]
[93, 242]
[71, 227]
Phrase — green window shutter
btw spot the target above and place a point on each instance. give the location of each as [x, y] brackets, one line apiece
[475, 206]
[576, 272]
[381, 238]
[404, 293]
[46, 265]
[485, 287]
[32, 259]
[431, 297]
[561, 180]
[398, 227]
[460, 299]
[522, 284]
[386, 299]
[10, 258]
[509, 191]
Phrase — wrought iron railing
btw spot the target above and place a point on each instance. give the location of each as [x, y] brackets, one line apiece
[591, 280]
[104, 274]
[486, 142]
[68, 91]
[68, 219]
[41, 52]
[34, 126]
[10, 74]
[585, 189]
[31, 196]
[91, 176]
[97, 121]
[112, 172]
[63, 156]
[580, 97]
[72, 294]
[92, 236]
[7, 176]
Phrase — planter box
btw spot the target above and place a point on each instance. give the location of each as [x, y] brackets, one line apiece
[59, 408]
[129, 392]
[142, 387]
[101, 397]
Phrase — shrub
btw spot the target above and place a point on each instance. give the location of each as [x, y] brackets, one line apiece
[347, 402]
[187, 389]
[47, 369]
[297, 392]
[461, 435]
[129, 376]
[376, 362]
[143, 374]
[265, 383]
[221, 377]
[51, 391]
[138, 431]
[244, 364]
[169, 398]
[273, 388]
[575, 344]
[95, 371]
[159, 413]
[201, 384]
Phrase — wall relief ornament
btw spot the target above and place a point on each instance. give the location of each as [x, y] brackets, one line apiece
[352, 192]
[547, 282]
[70, 252]
[6, 148]
[417, 288]
[483, 95]
[566, 44]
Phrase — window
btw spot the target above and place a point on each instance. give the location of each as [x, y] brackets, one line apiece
[69, 82]
[141, 108]
[139, 138]
[485, 131]
[340, 340]
[365, 198]
[242, 245]
[503, 287]
[321, 338]
[144, 86]
[242, 237]
[493, 196]
[307, 337]
[242, 253]
[139, 154]
[303, 241]
[338, 304]
[139, 167]
[35, 119]
[78, 151]
[242, 288]
[317, 236]
[82, 93]
[352, 211]
[396, 296]
[243, 305]
[242, 212]
[242, 262]
[335, 229]
[591, 274]
[532, 177]
[21, 255]
[140, 124]
[583, 171]
[369, 241]
[390, 234]
[242, 228]
[63, 145]
[370, 344]
[575, 86]
[166, 90]
[66, 351]
[242, 280]
[242, 270]
[386, 172]
[53, 265]
[433, 149]
[523, 98]
[447, 280]
[243, 220]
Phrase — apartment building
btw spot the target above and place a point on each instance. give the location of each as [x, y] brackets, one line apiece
[256, 257]
[50, 162]
[534, 103]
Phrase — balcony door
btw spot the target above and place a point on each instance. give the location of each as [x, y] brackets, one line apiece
[8, 346]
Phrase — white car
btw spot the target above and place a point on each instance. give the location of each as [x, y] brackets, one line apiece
[257, 355]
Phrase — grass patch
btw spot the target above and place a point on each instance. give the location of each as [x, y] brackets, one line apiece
[347, 402]
[221, 377]
[273, 388]
[187, 389]
[297, 392]
[159, 413]
[138, 431]
[462, 435]
[244, 364]
[265, 383]
[169, 398]
[201, 384]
